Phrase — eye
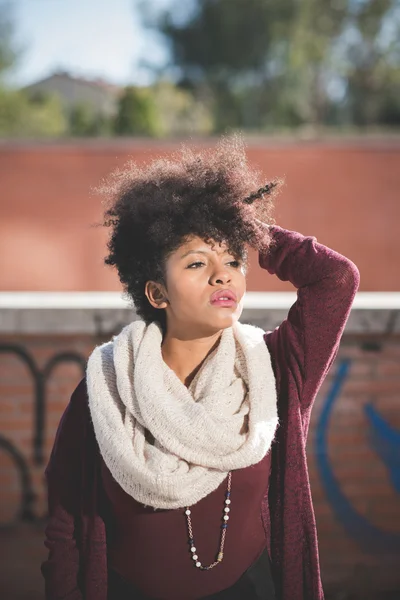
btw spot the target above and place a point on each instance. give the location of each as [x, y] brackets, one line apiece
[235, 263]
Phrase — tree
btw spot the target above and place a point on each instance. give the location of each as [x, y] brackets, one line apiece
[280, 62]
[9, 52]
[308, 60]
[84, 121]
[137, 113]
[261, 58]
[220, 50]
[81, 120]
[178, 112]
[22, 117]
[372, 65]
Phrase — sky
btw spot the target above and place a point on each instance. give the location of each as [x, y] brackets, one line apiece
[89, 38]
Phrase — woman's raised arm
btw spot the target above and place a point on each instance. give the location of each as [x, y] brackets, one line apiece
[326, 284]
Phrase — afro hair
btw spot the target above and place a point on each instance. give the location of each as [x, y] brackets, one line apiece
[154, 208]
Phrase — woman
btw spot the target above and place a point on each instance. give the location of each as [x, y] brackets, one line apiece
[179, 468]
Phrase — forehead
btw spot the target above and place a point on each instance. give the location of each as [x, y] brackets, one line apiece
[195, 243]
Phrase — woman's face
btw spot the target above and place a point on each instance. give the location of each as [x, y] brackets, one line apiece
[205, 285]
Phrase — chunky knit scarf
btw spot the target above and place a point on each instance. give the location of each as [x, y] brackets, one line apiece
[167, 445]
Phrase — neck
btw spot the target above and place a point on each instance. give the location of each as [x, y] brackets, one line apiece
[185, 356]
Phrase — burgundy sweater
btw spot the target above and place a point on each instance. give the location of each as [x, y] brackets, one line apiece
[302, 349]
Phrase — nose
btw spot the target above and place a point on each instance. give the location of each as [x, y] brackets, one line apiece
[220, 277]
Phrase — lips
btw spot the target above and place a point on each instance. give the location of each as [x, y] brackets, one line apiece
[221, 294]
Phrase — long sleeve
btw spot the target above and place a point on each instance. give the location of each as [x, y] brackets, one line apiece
[64, 476]
[326, 284]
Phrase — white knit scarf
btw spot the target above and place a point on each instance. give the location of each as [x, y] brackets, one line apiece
[225, 420]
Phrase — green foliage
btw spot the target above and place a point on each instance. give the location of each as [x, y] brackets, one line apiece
[137, 114]
[22, 117]
[179, 112]
[256, 65]
[268, 63]
[84, 121]
[373, 65]
[81, 120]
[8, 50]
[223, 38]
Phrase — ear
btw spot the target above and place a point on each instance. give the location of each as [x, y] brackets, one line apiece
[156, 294]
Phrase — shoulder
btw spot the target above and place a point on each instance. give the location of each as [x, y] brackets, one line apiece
[79, 397]
[77, 414]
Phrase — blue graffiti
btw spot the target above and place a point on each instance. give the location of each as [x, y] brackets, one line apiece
[386, 442]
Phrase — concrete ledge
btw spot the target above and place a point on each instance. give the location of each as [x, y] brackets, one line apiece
[104, 313]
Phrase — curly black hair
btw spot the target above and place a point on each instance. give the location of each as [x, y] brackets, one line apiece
[154, 208]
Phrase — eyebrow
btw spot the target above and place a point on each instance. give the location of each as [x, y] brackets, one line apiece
[202, 252]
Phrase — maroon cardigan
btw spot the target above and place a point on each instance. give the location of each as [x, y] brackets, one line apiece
[302, 349]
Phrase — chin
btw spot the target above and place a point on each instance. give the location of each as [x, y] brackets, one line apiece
[228, 321]
[214, 323]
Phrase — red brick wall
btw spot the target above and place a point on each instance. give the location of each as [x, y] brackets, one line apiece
[360, 474]
[344, 193]
[17, 407]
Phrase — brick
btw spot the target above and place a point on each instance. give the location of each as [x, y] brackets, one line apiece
[370, 387]
[388, 368]
[15, 387]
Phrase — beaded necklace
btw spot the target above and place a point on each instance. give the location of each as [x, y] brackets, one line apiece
[224, 527]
